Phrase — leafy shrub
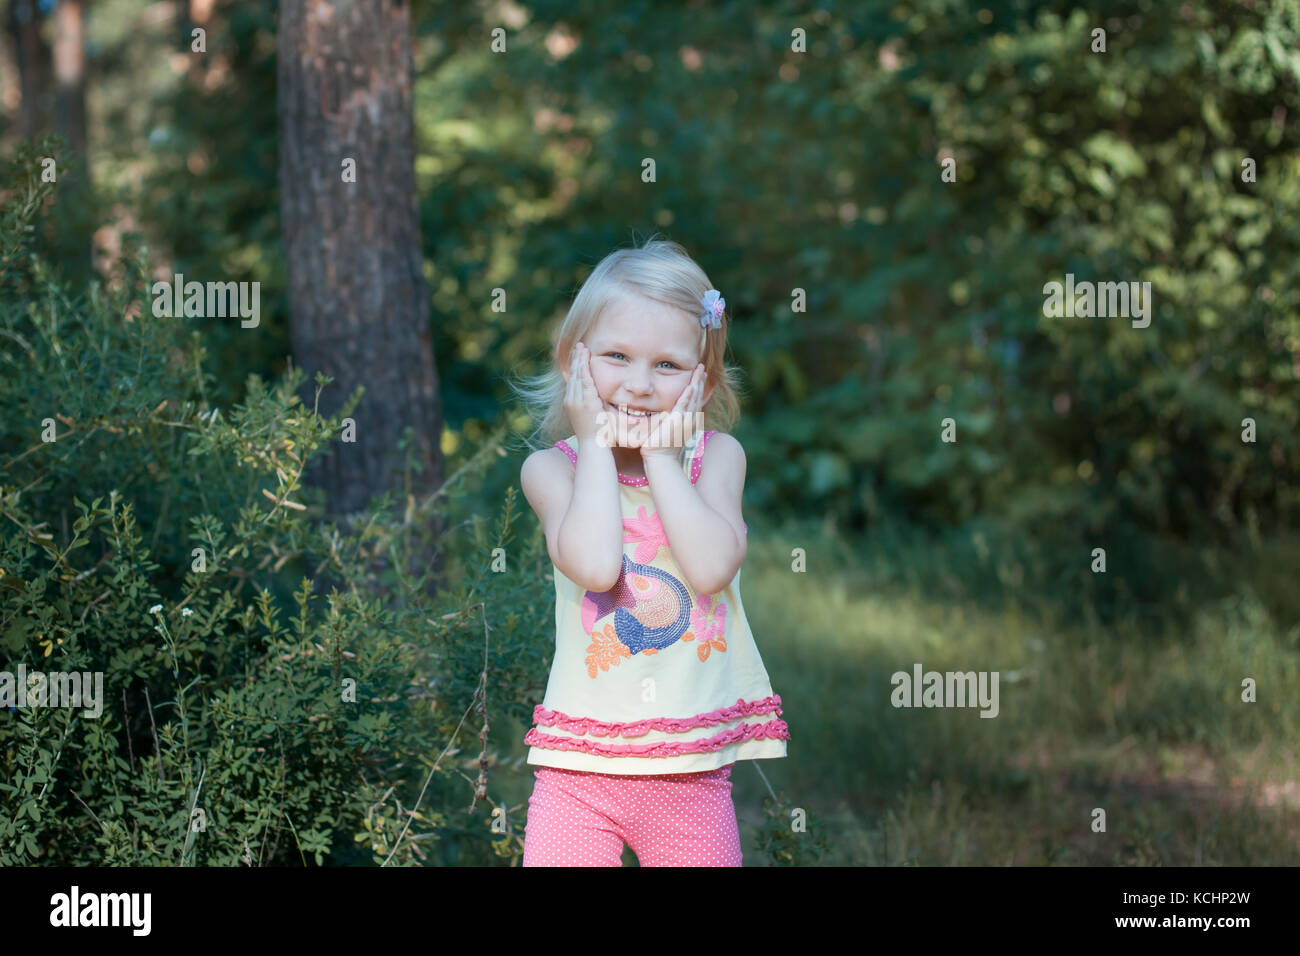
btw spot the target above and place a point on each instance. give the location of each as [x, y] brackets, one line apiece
[169, 545]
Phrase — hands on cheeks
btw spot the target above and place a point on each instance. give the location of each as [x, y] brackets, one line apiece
[581, 401]
[668, 431]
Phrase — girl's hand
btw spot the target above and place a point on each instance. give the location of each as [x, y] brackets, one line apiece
[669, 431]
[581, 402]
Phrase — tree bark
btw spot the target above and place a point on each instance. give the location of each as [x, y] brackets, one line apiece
[357, 297]
[33, 55]
[69, 51]
[11, 97]
[70, 75]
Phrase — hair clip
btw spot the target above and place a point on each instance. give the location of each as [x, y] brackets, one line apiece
[711, 317]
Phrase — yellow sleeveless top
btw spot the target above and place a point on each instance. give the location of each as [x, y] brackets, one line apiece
[651, 677]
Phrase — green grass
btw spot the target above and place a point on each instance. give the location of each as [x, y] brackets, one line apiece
[1138, 714]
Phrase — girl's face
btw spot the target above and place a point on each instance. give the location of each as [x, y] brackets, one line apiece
[642, 356]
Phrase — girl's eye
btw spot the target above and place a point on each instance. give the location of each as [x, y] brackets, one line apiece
[619, 356]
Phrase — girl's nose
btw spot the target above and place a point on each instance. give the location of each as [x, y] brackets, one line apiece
[639, 382]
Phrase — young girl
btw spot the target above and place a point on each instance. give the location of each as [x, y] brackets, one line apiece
[656, 688]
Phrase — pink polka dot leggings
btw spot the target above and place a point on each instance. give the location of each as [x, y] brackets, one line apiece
[576, 818]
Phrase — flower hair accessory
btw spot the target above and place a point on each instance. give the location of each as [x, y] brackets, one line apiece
[711, 317]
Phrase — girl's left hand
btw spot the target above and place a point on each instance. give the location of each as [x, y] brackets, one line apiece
[669, 431]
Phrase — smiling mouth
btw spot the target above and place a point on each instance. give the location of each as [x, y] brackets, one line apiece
[636, 412]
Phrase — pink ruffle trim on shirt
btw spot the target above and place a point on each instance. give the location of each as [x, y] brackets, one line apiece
[639, 728]
[775, 729]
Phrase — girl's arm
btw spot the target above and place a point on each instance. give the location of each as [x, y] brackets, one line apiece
[579, 511]
[703, 521]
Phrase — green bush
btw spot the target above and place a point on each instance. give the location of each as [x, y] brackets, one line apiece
[225, 618]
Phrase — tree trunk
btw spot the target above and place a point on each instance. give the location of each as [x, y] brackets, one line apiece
[70, 111]
[11, 97]
[357, 298]
[70, 75]
[24, 25]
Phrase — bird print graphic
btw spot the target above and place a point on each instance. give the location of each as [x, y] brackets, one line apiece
[651, 608]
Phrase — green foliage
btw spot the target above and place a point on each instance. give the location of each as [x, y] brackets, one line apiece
[209, 200]
[782, 843]
[821, 171]
[163, 542]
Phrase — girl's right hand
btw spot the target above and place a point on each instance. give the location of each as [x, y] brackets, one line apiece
[581, 402]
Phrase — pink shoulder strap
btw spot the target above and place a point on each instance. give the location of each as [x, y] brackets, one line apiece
[697, 460]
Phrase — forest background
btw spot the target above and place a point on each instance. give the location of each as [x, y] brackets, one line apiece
[1100, 510]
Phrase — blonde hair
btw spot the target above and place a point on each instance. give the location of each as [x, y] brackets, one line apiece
[662, 271]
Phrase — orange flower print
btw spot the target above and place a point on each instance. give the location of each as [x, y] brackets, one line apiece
[709, 620]
[605, 649]
[717, 644]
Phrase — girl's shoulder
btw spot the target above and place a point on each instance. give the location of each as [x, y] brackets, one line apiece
[712, 435]
[547, 482]
[720, 443]
[545, 465]
[718, 454]
[554, 453]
